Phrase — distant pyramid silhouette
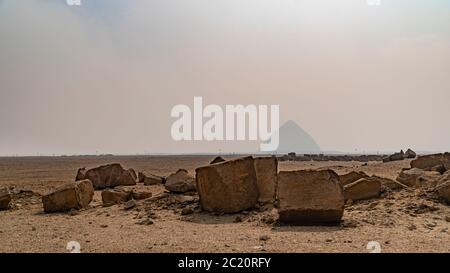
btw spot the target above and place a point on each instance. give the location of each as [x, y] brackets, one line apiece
[294, 139]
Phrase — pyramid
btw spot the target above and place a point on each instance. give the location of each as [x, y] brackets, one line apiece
[294, 139]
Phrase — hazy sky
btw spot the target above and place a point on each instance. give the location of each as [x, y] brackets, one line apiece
[103, 77]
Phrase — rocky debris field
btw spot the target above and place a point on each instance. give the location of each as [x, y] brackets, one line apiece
[241, 204]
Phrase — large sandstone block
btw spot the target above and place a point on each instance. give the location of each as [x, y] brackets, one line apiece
[418, 178]
[351, 177]
[310, 197]
[180, 182]
[113, 196]
[364, 188]
[266, 169]
[427, 162]
[389, 183]
[228, 187]
[444, 191]
[5, 199]
[75, 195]
[109, 176]
[150, 179]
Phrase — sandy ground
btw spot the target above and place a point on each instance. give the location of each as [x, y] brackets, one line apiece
[405, 221]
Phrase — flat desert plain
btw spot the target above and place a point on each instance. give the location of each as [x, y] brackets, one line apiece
[402, 221]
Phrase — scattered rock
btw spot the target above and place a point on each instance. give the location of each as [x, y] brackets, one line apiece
[310, 197]
[150, 179]
[74, 195]
[218, 159]
[268, 219]
[81, 174]
[266, 169]
[228, 187]
[389, 183]
[444, 191]
[109, 176]
[185, 199]
[439, 168]
[73, 212]
[153, 180]
[141, 177]
[5, 199]
[350, 224]
[133, 174]
[395, 157]
[412, 227]
[111, 197]
[430, 225]
[351, 177]
[264, 237]
[410, 154]
[187, 211]
[443, 179]
[180, 182]
[141, 195]
[129, 204]
[146, 222]
[427, 162]
[418, 178]
[364, 188]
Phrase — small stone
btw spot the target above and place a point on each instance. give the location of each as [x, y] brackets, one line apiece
[350, 224]
[349, 202]
[269, 220]
[187, 211]
[264, 238]
[146, 222]
[447, 218]
[33, 229]
[238, 219]
[430, 225]
[412, 227]
[243, 237]
[129, 204]
[372, 205]
[73, 212]
[103, 226]
[329, 240]
[258, 248]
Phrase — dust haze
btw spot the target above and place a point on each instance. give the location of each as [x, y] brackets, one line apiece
[103, 77]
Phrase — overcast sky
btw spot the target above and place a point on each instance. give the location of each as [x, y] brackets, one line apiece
[103, 77]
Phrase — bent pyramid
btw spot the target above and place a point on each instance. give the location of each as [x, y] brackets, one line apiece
[294, 139]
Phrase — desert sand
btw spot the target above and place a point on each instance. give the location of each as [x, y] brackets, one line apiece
[403, 221]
